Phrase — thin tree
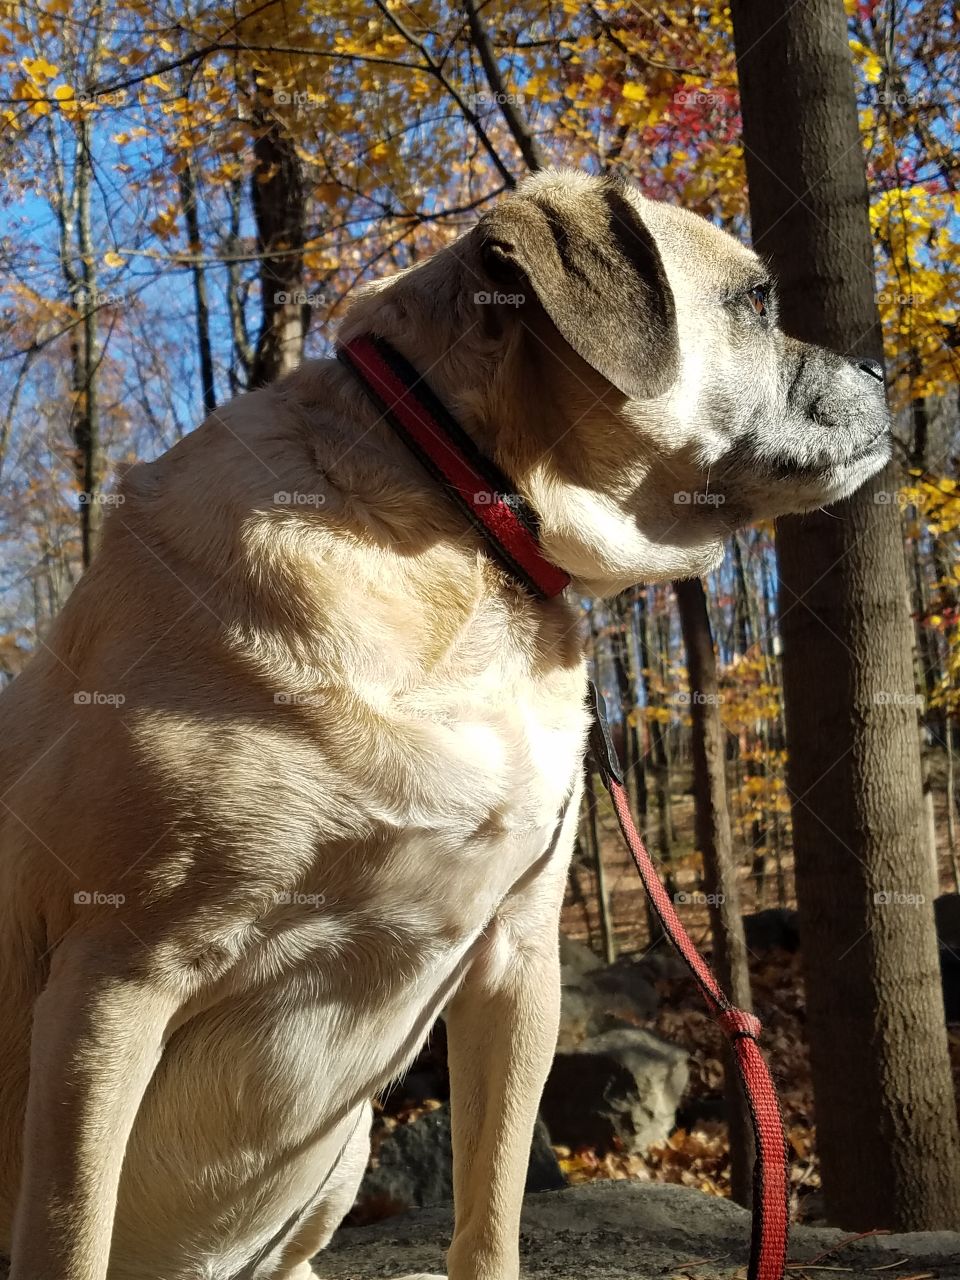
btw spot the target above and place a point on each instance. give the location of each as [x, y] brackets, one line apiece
[886, 1114]
[715, 843]
[278, 199]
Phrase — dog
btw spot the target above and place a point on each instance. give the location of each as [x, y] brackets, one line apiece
[297, 768]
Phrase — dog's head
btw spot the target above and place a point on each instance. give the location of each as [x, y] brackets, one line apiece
[622, 360]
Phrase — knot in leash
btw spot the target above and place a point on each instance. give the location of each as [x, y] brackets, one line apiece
[738, 1022]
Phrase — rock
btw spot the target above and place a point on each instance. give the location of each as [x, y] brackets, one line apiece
[619, 1090]
[777, 928]
[629, 1231]
[576, 959]
[603, 998]
[415, 1167]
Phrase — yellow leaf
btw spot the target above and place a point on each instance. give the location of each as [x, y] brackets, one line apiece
[63, 92]
[872, 68]
[635, 92]
[39, 69]
[112, 259]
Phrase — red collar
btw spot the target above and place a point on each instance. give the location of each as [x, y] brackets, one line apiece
[475, 483]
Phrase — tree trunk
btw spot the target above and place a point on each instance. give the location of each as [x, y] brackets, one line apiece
[715, 842]
[187, 179]
[886, 1115]
[277, 195]
[603, 890]
[655, 764]
[86, 355]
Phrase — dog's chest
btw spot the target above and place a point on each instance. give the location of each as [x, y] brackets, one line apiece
[488, 759]
[457, 805]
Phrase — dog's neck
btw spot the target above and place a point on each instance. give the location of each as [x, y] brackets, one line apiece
[472, 481]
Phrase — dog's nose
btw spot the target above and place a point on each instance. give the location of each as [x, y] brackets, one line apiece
[873, 367]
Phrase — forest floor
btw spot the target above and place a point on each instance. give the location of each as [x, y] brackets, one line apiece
[699, 1156]
[632, 1231]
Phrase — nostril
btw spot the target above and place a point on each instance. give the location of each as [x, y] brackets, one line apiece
[873, 367]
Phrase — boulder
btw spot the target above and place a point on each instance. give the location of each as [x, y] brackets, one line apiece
[598, 998]
[629, 1231]
[414, 1167]
[576, 959]
[615, 1091]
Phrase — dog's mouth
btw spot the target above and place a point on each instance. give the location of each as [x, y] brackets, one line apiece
[879, 444]
[877, 449]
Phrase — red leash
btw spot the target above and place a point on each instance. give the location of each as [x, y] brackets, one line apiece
[771, 1170]
[485, 495]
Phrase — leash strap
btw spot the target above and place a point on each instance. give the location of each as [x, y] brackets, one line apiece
[483, 493]
[475, 483]
[771, 1170]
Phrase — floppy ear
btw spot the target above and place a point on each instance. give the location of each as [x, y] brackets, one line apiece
[596, 271]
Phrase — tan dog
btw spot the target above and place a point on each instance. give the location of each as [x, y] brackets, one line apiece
[297, 768]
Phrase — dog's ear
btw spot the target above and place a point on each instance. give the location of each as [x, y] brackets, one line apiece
[596, 271]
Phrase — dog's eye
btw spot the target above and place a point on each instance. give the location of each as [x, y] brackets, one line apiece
[757, 297]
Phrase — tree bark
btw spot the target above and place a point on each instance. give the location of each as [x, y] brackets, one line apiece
[656, 762]
[886, 1115]
[277, 195]
[86, 355]
[603, 890]
[187, 179]
[715, 842]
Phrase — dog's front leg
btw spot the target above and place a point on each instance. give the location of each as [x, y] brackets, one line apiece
[502, 1033]
[97, 1034]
